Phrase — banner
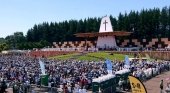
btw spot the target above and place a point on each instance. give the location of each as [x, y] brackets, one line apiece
[127, 62]
[42, 67]
[136, 85]
[109, 66]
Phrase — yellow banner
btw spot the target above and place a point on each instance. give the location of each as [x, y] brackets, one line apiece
[136, 85]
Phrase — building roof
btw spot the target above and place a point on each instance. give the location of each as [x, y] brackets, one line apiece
[97, 34]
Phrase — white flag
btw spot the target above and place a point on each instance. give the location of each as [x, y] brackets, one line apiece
[42, 66]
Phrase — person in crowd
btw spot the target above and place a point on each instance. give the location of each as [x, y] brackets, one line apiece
[120, 83]
[161, 86]
[3, 86]
[68, 73]
[168, 88]
[15, 88]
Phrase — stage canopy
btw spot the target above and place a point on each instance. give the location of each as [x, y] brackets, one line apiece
[97, 34]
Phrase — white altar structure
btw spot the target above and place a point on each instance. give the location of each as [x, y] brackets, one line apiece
[105, 36]
[106, 41]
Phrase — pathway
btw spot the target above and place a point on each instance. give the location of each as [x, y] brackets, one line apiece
[152, 85]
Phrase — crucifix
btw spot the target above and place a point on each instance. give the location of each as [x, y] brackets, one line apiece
[105, 24]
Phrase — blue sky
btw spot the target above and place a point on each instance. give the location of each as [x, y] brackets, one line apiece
[20, 15]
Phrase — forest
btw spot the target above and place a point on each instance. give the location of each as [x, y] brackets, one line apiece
[147, 23]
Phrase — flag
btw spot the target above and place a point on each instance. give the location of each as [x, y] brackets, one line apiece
[148, 57]
[140, 57]
[109, 66]
[127, 62]
[42, 67]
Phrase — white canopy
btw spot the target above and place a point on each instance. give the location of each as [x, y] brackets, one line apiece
[103, 78]
[122, 71]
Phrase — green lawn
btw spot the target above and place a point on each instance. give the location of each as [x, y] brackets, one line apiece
[88, 58]
[64, 57]
[96, 56]
[105, 55]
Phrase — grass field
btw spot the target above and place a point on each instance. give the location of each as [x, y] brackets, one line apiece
[95, 56]
[64, 57]
[104, 55]
[88, 58]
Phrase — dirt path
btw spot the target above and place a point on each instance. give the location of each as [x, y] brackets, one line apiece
[152, 85]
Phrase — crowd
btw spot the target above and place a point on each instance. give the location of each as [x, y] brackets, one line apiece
[20, 71]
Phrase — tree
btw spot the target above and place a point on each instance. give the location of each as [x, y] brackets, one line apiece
[147, 23]
[3, 46]
[14, 40]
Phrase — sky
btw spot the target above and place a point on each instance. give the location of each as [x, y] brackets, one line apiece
[21, 15]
